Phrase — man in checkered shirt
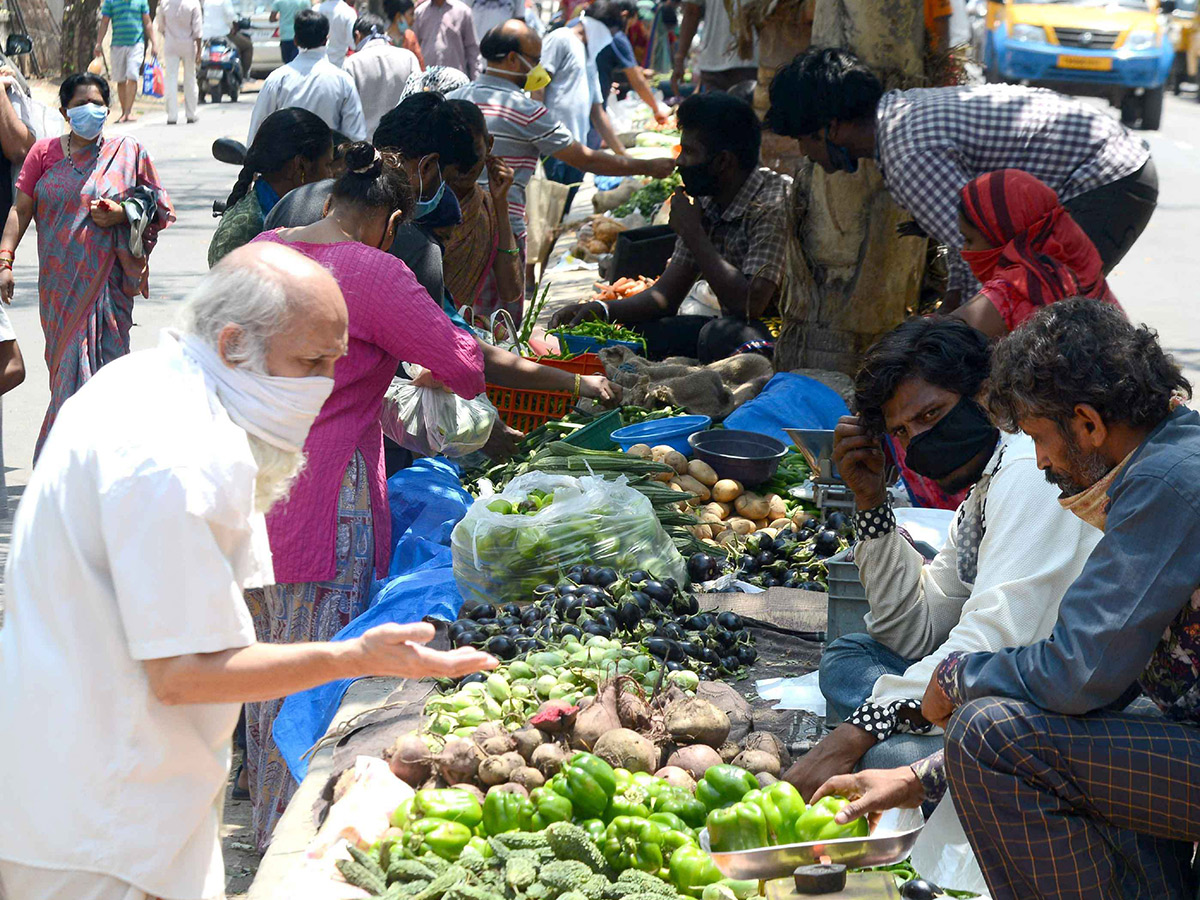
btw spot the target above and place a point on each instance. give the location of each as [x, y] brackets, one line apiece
[734, 236]
[930, 142]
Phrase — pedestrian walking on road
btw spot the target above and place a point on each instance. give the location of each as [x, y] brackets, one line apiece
[284, 13]
[341, 16]
[312, 82]
[401, 15]
[131, 30]
[181, 23]
[380, 70]
[446, 31]
[293, 147]
[330, 538]
[99, 206]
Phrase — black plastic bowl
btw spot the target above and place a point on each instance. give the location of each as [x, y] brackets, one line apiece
[745, 456]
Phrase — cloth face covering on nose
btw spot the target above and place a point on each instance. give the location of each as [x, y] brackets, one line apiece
[87, 120]
[960, 436]
[278, 410]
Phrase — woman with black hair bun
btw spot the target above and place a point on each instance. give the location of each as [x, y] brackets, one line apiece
[292, 147]
[330, 538]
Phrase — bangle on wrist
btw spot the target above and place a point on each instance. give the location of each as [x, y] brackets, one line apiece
[511, 251]
[603, 304]
[6, 264]
[575, 390]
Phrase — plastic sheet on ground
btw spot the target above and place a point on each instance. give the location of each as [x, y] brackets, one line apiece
[802, 692]
[427, 501]
[789, 401]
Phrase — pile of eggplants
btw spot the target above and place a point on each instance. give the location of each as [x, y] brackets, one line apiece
[794, 558]
[634, 608]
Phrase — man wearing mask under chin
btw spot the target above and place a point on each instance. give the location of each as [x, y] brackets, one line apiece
[732, 232]
[1011, 552]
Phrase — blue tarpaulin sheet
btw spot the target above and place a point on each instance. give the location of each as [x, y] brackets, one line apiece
[789, 401]
[426, 501]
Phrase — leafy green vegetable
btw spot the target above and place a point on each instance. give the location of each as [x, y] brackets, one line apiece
[648, 199]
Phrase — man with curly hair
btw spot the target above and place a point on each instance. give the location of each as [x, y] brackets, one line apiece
[1062, 790]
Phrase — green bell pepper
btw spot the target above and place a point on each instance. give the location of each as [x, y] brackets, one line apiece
[673, 822]
[446, 839]
[817, 823]
[547, 807]
[480, 846]
[504, 812]
[451, 804]
[631, 843]
[650, 785]
[626, 805]
[589, 783]
[595, 829]
[742, 826]
[724, 785]
[679, 802]
[403, 813]
[783, 807]
[692, 870]
[624, 779]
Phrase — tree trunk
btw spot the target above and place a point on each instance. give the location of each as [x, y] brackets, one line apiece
[81, 23]
[850, 277]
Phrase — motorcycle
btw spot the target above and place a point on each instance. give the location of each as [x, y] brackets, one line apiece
[221, 71]
[232, 153]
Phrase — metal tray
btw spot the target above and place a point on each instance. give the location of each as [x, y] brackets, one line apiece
[890, 842]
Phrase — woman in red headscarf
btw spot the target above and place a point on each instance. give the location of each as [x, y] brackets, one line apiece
[1025, 249]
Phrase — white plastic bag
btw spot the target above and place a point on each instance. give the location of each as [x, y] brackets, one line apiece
[433, 421]
[943, 855]
[700, 301]
[501, 556]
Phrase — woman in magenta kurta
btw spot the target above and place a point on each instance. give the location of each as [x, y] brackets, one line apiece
[330, 539]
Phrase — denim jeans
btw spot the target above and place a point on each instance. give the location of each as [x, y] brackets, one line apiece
[850, 666]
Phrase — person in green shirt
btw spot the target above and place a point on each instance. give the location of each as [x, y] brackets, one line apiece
[284, 12]
[131, 26]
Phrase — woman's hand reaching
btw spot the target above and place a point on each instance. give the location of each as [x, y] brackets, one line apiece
[597, 387]
[107, 213]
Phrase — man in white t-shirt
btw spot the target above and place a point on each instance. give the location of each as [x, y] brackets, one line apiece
[341, 16]
[718, 61]
[126, 641]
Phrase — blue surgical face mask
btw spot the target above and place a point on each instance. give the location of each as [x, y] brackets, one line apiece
[447, 212]
[87, 120]
[424, 207]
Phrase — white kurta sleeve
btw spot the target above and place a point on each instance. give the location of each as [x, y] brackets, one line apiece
[174, 583]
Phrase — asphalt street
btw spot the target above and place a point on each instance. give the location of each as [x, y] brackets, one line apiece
[1153, 283]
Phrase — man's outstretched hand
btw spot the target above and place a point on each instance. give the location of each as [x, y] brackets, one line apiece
[400, 651]
[873, 791]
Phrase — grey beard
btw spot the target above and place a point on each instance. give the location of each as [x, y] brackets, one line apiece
[1087, 467]
[277, 472]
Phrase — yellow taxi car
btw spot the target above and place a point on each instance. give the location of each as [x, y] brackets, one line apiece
[1116, 49]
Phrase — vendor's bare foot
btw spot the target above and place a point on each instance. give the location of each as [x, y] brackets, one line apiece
[127, 118]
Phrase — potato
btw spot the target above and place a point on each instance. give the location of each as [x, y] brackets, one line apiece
[752, 506]
[727, 536]
[800, 518]
[771, 532]
[702, 472]
[664, 476]
[676, 461]
[641, 451]
[607, 229]
[738, 525]
[702, 531]
[727, 490]
[596, 247]
[659, 453]
[720, 510]
[692, 486]
[710, 542]
[780, 524]
[676, 486]
[777, 506]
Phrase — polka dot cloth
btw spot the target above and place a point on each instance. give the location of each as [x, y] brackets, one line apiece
[972, 524]
[882, 720]
[874, 523]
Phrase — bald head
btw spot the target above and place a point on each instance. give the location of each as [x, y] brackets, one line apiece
[511, 47]
[272, 310]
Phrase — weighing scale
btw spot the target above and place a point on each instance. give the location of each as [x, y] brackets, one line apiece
[830, 493]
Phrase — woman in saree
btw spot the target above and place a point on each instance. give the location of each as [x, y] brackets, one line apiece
[1025, 249]
[483, 267]
[99, 206]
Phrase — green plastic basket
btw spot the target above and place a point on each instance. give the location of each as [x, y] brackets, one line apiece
[597, 435]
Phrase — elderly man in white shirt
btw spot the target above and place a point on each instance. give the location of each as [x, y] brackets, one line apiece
[1011, 554]
[341, 16]
[311, 82]
[181, 23]
[127, 640]
[380, 70]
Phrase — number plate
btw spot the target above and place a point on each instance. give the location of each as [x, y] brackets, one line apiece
[1090, 63]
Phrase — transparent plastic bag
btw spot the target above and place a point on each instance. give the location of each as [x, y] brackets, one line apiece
[943, 855]
[501, 556]
[433, 421]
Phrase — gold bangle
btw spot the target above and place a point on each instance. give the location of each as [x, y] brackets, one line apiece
[575, 393]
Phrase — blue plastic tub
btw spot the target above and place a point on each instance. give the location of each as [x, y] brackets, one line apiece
[581, 343]
[674, 432]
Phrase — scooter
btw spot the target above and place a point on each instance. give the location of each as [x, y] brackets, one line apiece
[232, 153]
[221, 67]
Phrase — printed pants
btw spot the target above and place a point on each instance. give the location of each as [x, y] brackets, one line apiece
[1074, 807]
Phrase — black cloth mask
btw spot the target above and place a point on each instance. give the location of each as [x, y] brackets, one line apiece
[698, 179]
[960, 436]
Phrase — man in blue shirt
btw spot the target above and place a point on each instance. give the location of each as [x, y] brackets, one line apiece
[1063, 791]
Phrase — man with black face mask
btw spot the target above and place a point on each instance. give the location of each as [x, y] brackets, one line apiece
[1012, 550]
[732, 228]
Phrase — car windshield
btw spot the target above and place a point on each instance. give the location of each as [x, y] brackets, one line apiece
[1122, 4]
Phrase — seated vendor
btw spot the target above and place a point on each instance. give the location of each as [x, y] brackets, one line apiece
[1010, 555]
[732, 228]
[1061, 795]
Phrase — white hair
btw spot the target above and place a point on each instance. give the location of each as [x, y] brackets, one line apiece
[251, 297]
[277, 472]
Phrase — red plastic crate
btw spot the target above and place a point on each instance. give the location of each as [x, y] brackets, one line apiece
[525, 410]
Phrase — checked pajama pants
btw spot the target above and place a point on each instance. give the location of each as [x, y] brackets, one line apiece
[1071, 807]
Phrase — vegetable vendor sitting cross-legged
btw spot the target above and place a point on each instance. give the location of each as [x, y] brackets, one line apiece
[1009, 557]
[1062, 792]
[732, 232]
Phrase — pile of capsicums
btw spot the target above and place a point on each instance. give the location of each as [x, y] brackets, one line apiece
[591, 832]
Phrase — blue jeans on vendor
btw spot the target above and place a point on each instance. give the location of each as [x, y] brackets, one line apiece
[560, 173]
[850, 666]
